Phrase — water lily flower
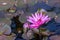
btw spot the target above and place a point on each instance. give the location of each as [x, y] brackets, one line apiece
[37, 20]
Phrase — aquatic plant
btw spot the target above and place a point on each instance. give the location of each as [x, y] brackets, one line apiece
[37, 20]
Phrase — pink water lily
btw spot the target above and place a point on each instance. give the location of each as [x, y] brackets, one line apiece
[37, 20]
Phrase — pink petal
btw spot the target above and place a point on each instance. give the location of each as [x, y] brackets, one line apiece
[40, 15]
[26, 25]
[45, 18]
[30, 20]
[34, 17]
